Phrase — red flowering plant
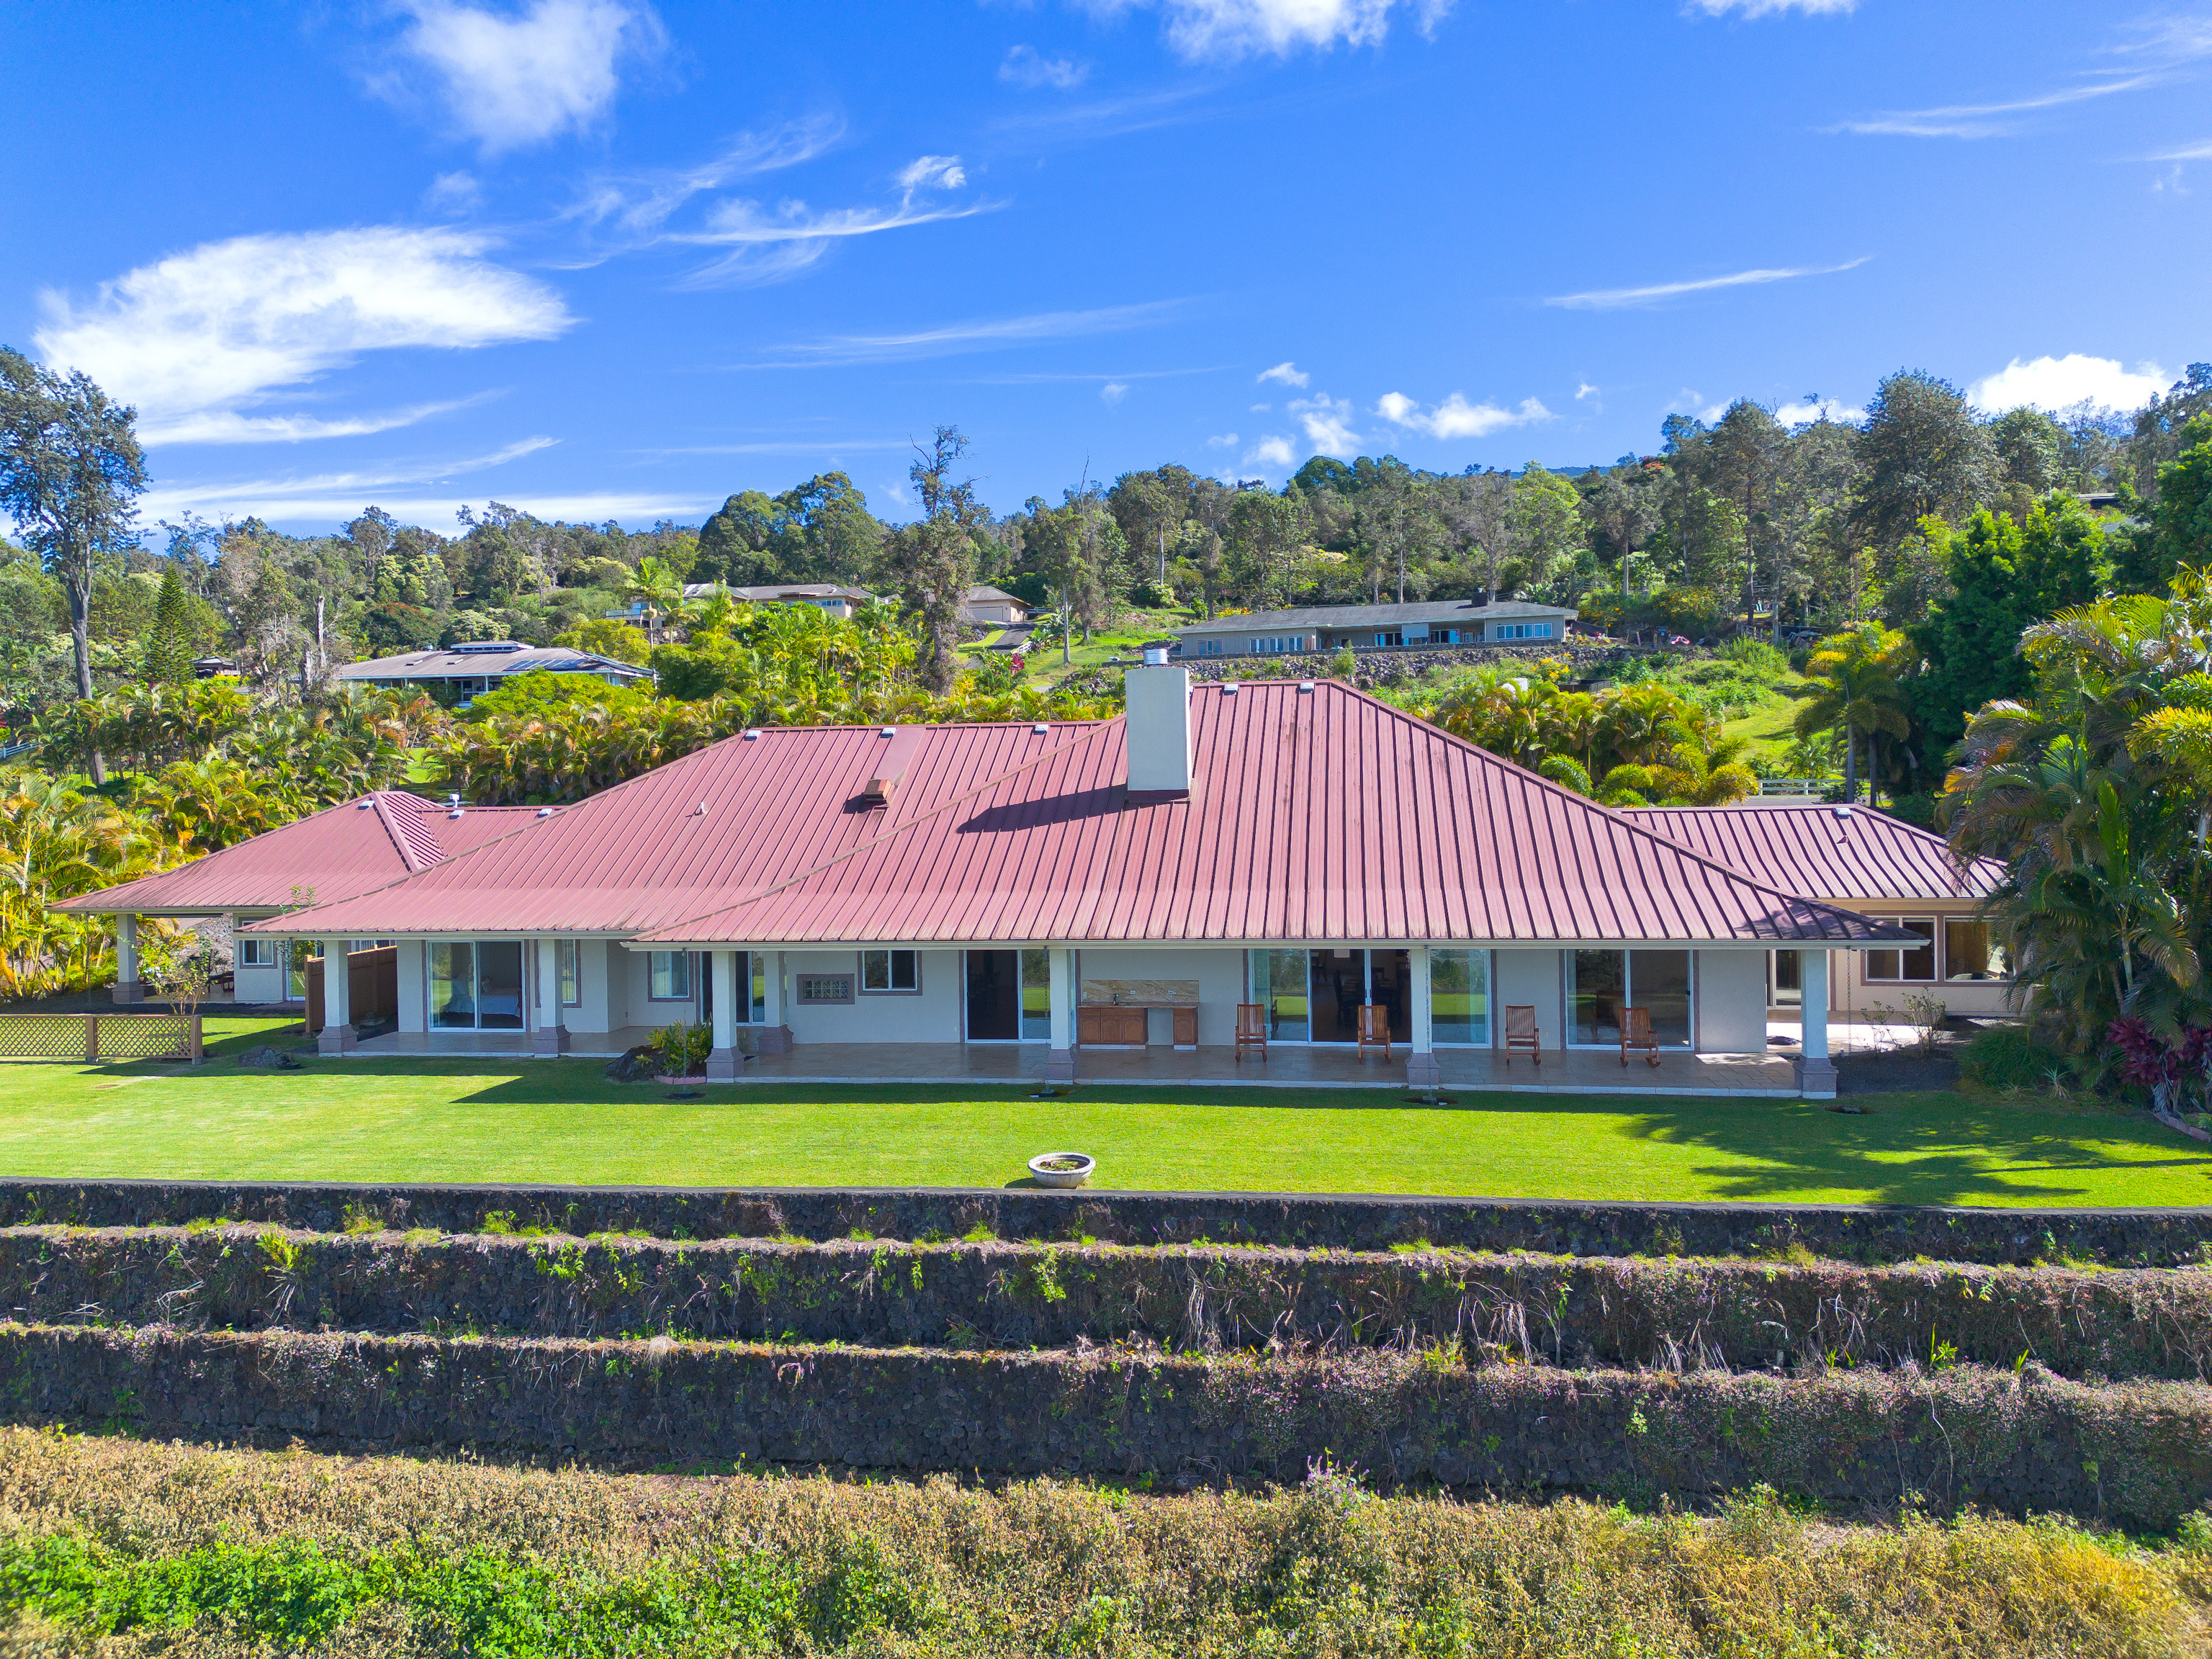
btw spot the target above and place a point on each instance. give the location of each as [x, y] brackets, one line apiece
[2178, 1071]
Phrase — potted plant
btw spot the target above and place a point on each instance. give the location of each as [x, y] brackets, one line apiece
[1062, 1169]
[682, 1051]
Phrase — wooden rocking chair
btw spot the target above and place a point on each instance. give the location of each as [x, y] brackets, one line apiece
[1635, 1033]
[1251, 1029]
[1374, 1029]
[1521, 1032]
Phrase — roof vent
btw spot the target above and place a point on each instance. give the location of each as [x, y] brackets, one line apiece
[889, 766]
[488, 647]
[700, 810]
[1228, 688]
[888, 732]
[1305, 688]
[1156, 656]
[544, 811]
[1844, 811]
[749, 735]
[1040, 729]
[363, 803]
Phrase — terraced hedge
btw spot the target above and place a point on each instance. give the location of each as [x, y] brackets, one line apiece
[2018, 1440]
[1675, 1315]
[1843, 1232]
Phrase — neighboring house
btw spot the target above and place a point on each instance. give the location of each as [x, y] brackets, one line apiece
[832, 597]
[1875, 864]
[993, 606]
[469, 670]
[338, 853]
[902, 901]
[1376, 627]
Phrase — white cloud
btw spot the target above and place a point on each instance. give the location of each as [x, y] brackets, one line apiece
[1584, 389]
[1113, 391]
[1257, 409]
[514, 79]
[1456, 417]
[452, 194]
[1984, 120]
[1328, 421]
[933, 173]
[324, 494]
[2187, 153]
[1814, 408]
[1233, 28]
[1693, 402]
[197, 337]
[1613, 299]
[1224, 440]
[1024, 66]
[2055, 383]
[985, 334]
[1284, 374]
[635, 207]
[1274, 451]
[224, 426]
[1769, 8]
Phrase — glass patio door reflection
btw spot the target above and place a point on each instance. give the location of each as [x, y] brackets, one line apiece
[476, 984]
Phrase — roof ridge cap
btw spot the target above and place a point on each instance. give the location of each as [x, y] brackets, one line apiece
[386, 815]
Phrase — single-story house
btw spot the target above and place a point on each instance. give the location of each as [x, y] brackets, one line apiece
[1882, 866]
[1411, 627]
[1291, 864]
[338, 853]
[469, 670]
[993, 606]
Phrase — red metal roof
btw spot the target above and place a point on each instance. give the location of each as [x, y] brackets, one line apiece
[336, 854]
[1841, 852]
[1323, 815]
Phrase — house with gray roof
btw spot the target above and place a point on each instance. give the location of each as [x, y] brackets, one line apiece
[1420, 625]
[471, 668]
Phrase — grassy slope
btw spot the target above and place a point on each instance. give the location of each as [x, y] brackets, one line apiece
[562, 1121]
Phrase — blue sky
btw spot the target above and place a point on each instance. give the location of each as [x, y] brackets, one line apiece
[602, 258]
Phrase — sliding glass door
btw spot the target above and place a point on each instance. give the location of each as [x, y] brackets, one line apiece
[1315, 996]
[476, 984]
[1601, 984]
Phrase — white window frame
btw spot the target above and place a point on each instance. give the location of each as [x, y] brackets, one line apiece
[652, 967]
[569, 971]
[261, 951]
[1934, 924]
[887, 958]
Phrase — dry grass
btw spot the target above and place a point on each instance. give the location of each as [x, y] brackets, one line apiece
[243, 1552]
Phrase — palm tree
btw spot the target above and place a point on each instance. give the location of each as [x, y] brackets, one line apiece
[1856, 691]
[656, 585]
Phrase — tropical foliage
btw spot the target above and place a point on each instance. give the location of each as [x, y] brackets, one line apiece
[2096, 791]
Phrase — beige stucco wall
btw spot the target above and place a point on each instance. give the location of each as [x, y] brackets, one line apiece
[1731, 992]
[1528, 976]
[931, 1015]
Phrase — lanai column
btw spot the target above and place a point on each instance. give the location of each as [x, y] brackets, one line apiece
[1059, 1064]
[551, 1036]
[128, 986]
[775, 1029]
[725, 1062]
[1816, 1073]
[337, 1037]
[1421, 1072]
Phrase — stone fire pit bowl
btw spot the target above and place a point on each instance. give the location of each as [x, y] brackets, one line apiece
[1062, 1169]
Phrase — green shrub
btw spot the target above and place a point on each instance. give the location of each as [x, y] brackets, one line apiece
[1762, 659]
[2009, 1057]
[682, 1048]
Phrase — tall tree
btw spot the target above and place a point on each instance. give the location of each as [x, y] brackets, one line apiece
[933, 559]
[70, 476]
[1857, 693]
[1623, 508]
[1477, 510]
[169, 648]
[1546, 524]
[1923, 452]
[2185, 499]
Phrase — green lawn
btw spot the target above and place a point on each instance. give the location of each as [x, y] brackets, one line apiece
[562, 1121]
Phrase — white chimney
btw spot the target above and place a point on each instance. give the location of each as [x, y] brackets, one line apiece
[1157, 699]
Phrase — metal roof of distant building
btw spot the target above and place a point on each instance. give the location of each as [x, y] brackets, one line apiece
[447, 664]
[981, 591]
[1374, 616]
[769, 593]
[1319, 815]
[1834, 851]
[336, 854]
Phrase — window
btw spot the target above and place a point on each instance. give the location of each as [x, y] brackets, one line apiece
[259, 952]
[1387, 640]
[568, 962]
[1521, 631]
[752, 987]
[1037, 993]
[824, 988]
[1459, 997]
[1279, 986]
[453, 985]
[1969, 952]
[891, 971]
[301, 952]
[476, 984]
[1602, 984]
[671, 976]
[1913, 964]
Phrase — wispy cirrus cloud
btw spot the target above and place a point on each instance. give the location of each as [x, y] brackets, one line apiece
[1991, 120]
[1025, 66]
[325, 495]
[1772, 8]
[200, 338]
[982, 334]
[633, 208]
[1613, 299]
[510, 80]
